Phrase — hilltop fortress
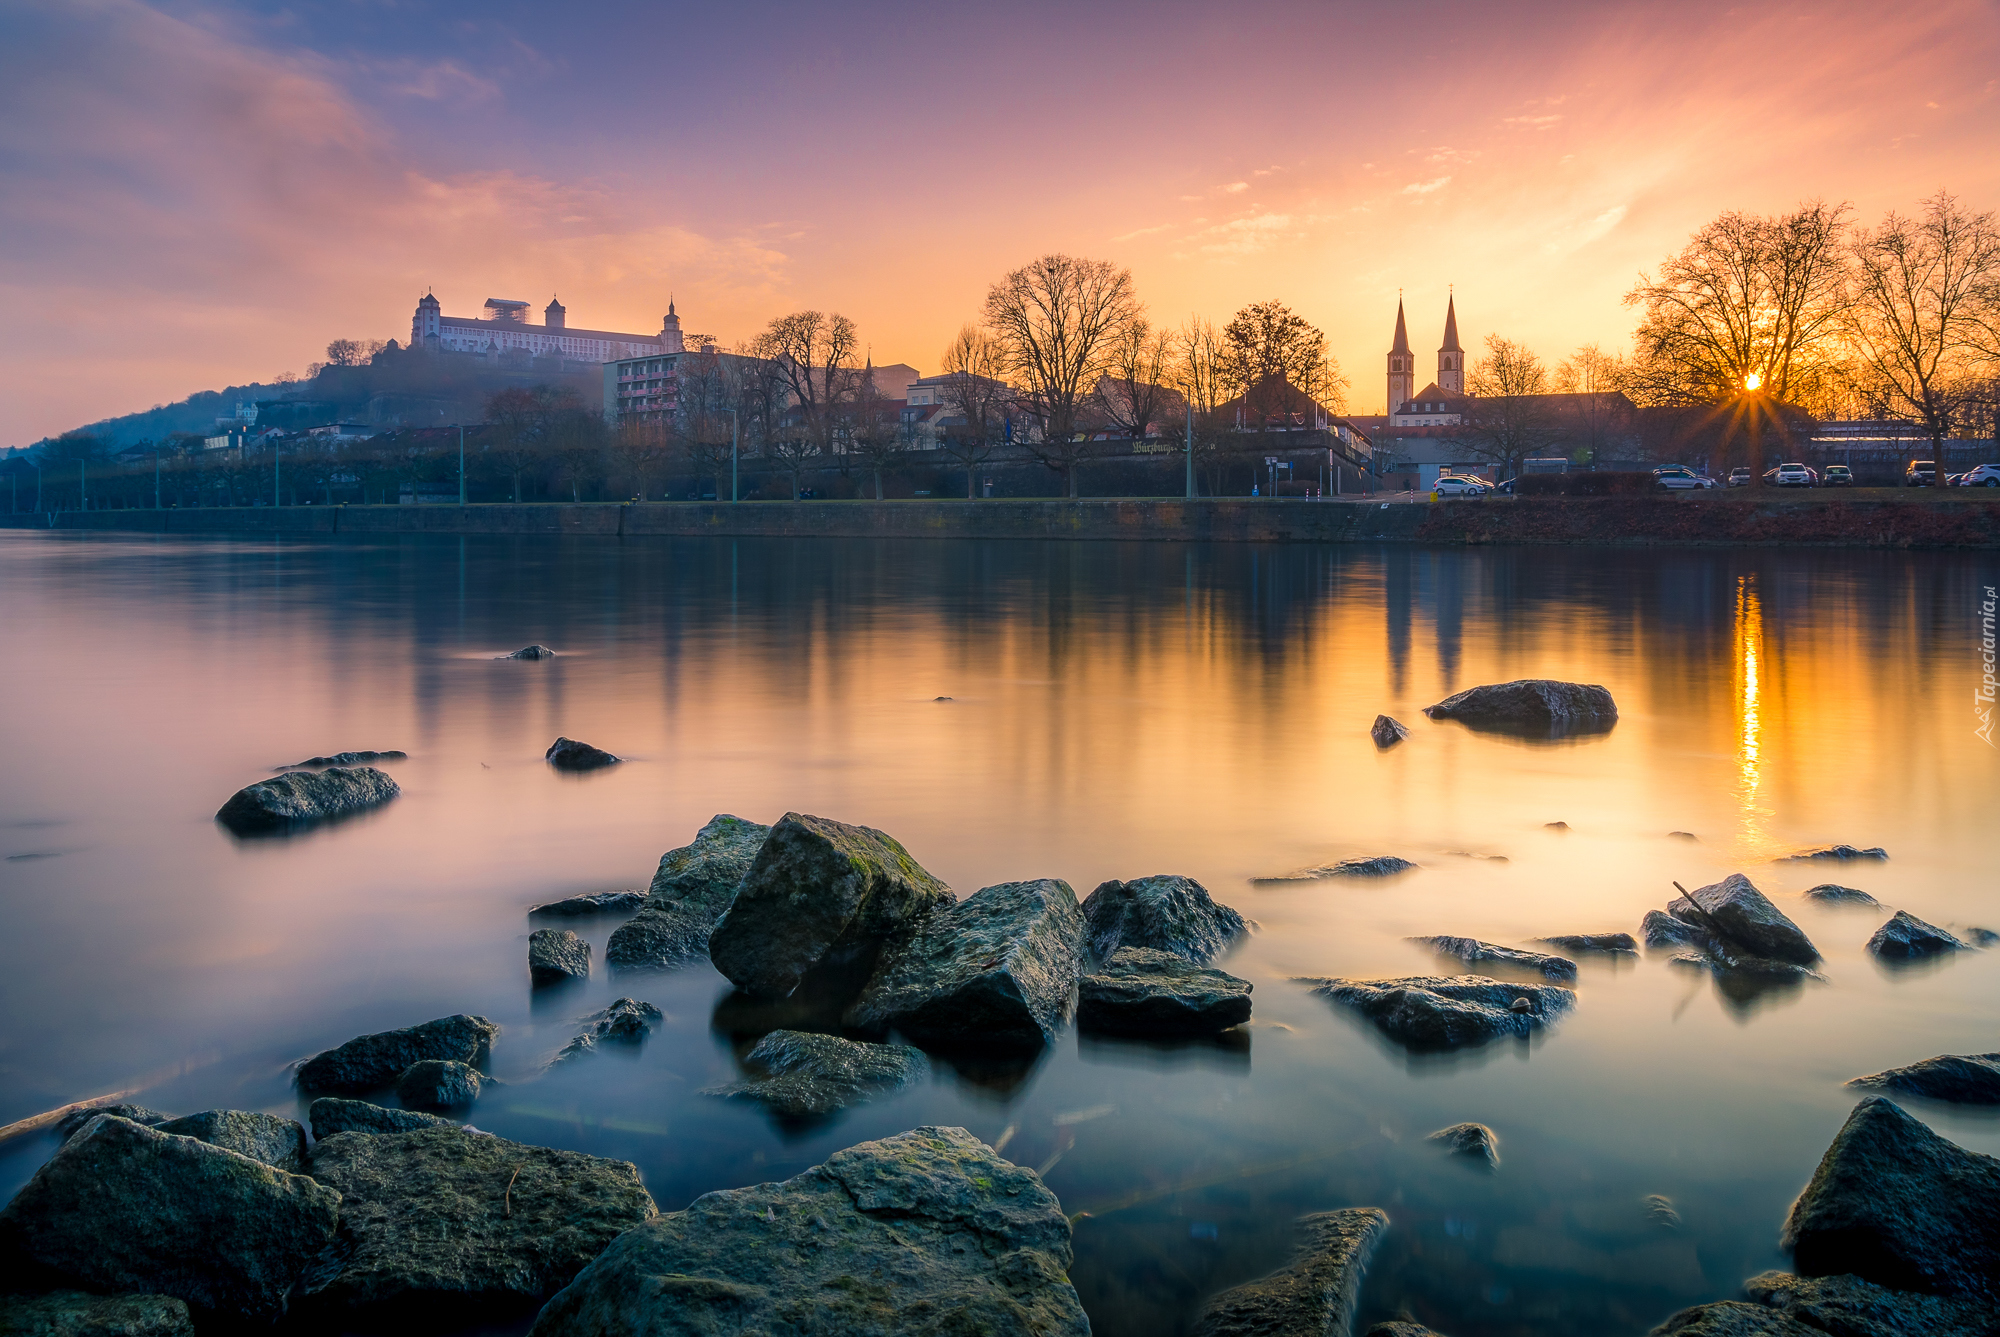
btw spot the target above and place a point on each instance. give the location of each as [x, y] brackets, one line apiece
[504, 328]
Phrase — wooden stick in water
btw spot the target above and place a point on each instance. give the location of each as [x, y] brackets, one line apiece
[35, 1124]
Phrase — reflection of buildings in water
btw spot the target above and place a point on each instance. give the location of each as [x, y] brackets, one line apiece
[1751, 670]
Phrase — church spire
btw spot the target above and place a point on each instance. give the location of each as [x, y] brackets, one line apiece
[1451, 326]
[1451, 358]
[1402, 344]
[1402, 366]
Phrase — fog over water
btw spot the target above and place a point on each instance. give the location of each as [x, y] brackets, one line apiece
[1115, 710]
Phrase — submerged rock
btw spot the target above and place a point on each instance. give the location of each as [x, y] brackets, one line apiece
[1660, 929]
[1315, 1294]
[1476, 953]
[567, 754]
[531, 652]
[446, 1219]
[1433, 1012]
[1684, 835]
[1982, 937]
[1840, 853]
[821, 895]
[330, 1114]
[1744, 917]
[1969, 1079]
[998, 969]
[557, 956]
[72, 1123]
[691, 889]
[297, 798]
[1396, 1327]
[1661, 1212]
[276, 1142]
[345, 759]
[369, 1062]
[802, 1075]
[125, 1208]
[77, 1314]
[1851, 1307]
[927, 1231]
[1536, 707]
[625, 1022]
[1895, 1204]
[597, 903]
[1593, 942]
[1144, 992]
[1388, 732]
[1905, 937]
[1380, 865]
[440, 1084]
[1830, 893]
[1474, 1141]
[1162, 913]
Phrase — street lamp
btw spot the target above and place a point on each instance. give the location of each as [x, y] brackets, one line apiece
[1190, 450]
[734, 423]
[461, 464]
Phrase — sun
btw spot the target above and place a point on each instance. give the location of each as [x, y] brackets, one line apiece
[1752, 381]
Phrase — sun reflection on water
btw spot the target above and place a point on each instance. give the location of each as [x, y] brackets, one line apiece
[1750, 669]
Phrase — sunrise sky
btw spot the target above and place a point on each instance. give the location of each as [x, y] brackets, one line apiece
[197, 194]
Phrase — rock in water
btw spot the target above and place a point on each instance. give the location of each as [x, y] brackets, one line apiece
[1144, 992]
[1841, 853]
[1829, 893]
[369, 1062]
[1476, 953]
[345, 759]
[1895, 1204]
[1433, 1012]
[1736, 911]
[1398, 1328]
[300, 797]
[567, 754]
[597, 903]
[125, 1208]
[442, 1219]
[998, 969]
[1851, 1307]
[1387, 732]
[276, 1142]
[1969, 1079]
[330, 1114]
[626, 1022]
[692, 887]
[72, 1123]
[1380, 865]
[439, 1084]
[801, 1075]
[1474, 1141]
[557, 956]
[76, 1314]
[927, 1231]
[1535, 707]
[1593, 942]
[531, 652]
[1661, 929]
[820, 895]
[1312, 1296]
[1163, 913]
[1906, 937]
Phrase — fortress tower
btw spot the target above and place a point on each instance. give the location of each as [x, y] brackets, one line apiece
[670, 331]
[554, 315]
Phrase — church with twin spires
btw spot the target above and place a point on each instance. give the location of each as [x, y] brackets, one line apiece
[1441, 403]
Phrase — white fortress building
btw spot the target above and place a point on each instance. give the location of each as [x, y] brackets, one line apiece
[504, 328]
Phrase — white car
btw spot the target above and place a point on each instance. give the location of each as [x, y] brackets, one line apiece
[1461, 485]
[1980, 475]
[1680, 479]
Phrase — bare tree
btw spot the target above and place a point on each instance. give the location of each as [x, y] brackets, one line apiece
[1203, 377]
[814, 354]
[1133, 390]
[1057, 321]
[975, 394]
[1926, 313]
[639, 455]
[1268, 351]
[1508, 420]
[871, 429]
[1597, 379]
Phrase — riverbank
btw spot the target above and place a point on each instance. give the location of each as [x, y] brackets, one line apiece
[1887, 520]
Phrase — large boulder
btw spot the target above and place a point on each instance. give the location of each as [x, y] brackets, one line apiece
[1850, 1307]
[821, 897]
[1744, 917]
[1969, 1079]
[1163, 913]
[439, 1084]
[77, 1314]
[262, 1137]
[691, 889]
[1436, 1012]
[1314, 1295]
[626, 1022]
[370, 1062]
[300, 797]
[446, 1220]
[925, 1232]
[567, 754]
[125, 1208]
[1895, 1204]
[996, 970]
[557, 956]
[1533, 707]
[1144, 992]
[330, 1114]
[595, 903]
[1476, 953]
[802, 1075]
[73, 1123]
[1906, 937]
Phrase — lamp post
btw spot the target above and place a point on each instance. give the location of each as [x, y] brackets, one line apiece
[461, 464]
[734, 423]
[1190, 450]
[156, 478]
[82, 494]
[276, 493]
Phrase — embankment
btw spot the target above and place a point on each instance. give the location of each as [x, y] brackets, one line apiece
[1848, 521]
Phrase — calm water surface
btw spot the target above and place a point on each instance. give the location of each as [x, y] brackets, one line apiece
[1115, 710]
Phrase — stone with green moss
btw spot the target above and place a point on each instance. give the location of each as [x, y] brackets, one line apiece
[692, 887]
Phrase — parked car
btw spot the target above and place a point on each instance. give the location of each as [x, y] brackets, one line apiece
[1980, 475]
[1839, 475]
[1739, 478]
[1679, 478]
[1461, 485]
[1921, 473]
[1793, 475]
[1506, 486]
